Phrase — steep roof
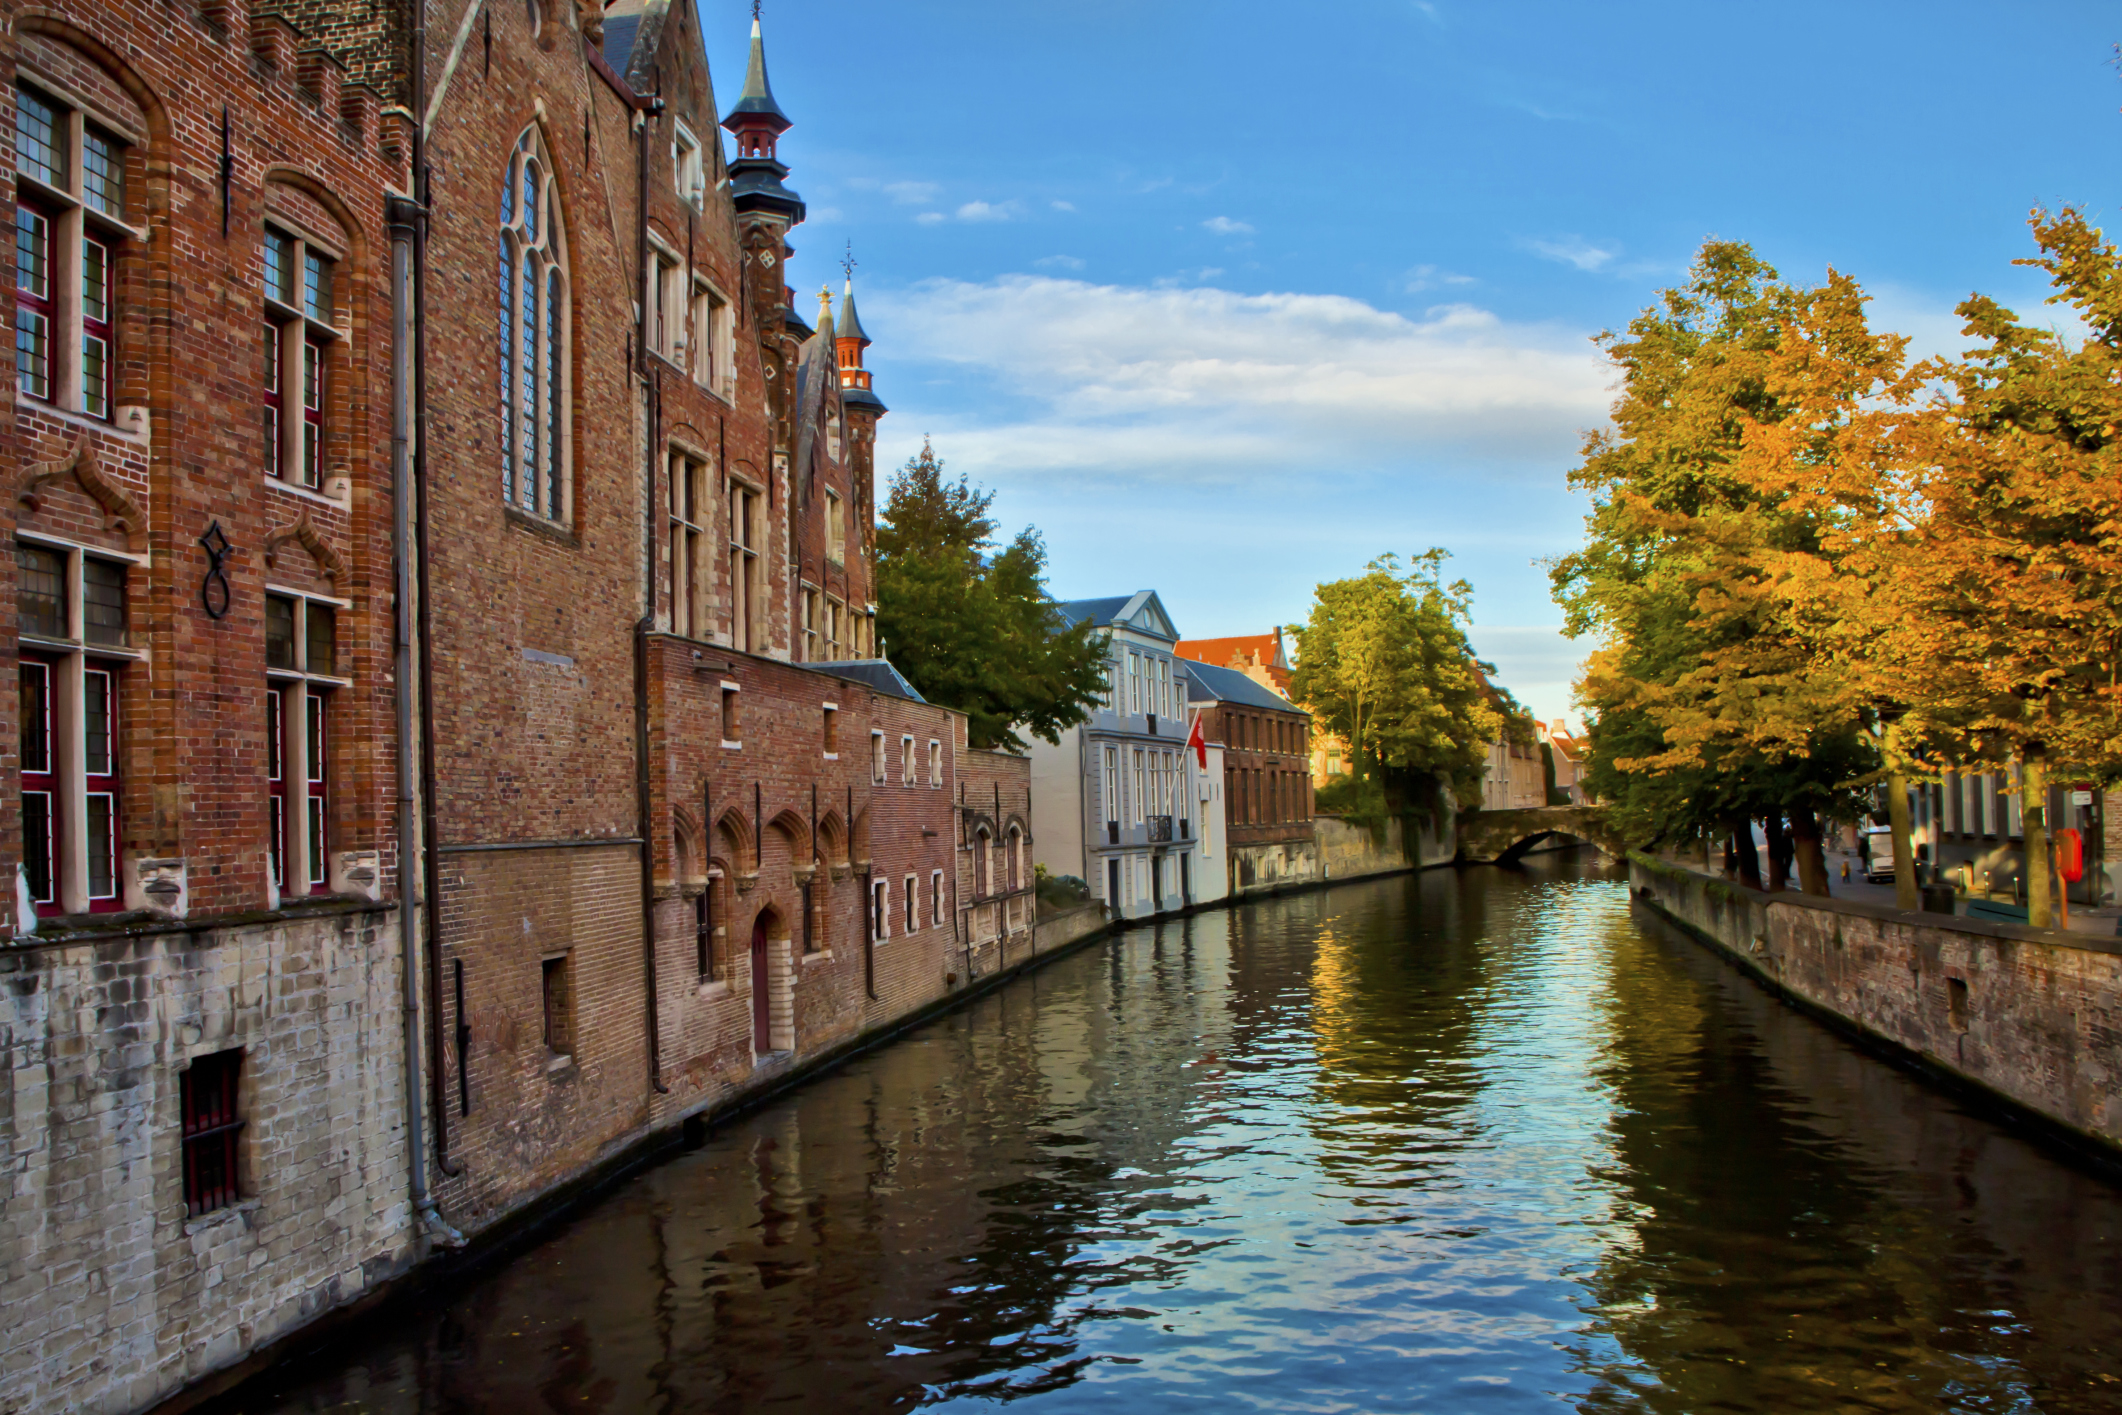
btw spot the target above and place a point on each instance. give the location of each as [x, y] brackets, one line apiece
[758, 96]
[875, 673]
[1213, 683]
[1264, 649]
[1141, 611]
[622, 22]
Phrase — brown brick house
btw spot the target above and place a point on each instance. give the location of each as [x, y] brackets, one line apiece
[1267, 782]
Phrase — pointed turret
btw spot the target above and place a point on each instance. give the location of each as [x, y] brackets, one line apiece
[757, 123]
[855, 391]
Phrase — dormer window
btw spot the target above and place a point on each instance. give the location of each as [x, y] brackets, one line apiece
[689, 172]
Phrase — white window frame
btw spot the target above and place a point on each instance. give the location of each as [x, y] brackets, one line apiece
[711, 340]
[829, 731]
[876, 756]
[880, 918]
[691, 549]
[307, 867]
[906, 759]
[913, 905]
[746, 622]
[935, 762]
[1113, 808]
[935, 897]
[688, 165]
[835, 527]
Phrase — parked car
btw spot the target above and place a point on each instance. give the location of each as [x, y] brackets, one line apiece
[1879, 859]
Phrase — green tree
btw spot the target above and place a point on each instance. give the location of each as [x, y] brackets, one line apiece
[1384, 663]
[971, 623]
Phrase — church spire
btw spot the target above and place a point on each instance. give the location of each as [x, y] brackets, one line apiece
[850, 340]
[757, 122]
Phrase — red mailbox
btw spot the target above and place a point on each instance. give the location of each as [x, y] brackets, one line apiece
[2070, 855]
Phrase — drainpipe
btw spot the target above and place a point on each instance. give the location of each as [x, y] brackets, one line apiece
[652, 389]
[409, 498]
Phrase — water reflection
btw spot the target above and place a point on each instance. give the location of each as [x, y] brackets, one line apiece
[1452, 1142]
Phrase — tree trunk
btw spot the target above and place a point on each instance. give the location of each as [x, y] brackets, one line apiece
[1731, 856]
[1742, 844]
[1772, 832]
[2033, 805]
[1906, 896]
[1812, 860]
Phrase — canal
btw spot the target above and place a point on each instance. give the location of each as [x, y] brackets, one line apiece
[1482, 1142]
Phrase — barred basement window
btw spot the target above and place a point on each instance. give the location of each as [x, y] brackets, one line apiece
[533, 343]
[70, 235]
[209, 1097]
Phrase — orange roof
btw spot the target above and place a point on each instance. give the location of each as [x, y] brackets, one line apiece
[1248, 649]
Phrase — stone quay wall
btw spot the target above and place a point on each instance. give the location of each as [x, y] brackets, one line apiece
[116, 1298]
[1342, 850]
[2030, 1017]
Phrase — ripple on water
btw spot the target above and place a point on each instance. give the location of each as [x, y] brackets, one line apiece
[1481, 1141]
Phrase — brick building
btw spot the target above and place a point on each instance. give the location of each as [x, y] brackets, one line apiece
[515, 515]
[1267, 782]
[203, 1034]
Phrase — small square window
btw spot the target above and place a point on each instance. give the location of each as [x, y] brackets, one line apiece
[103, 602]
[320, 632]
[279, 632]
[41, 598]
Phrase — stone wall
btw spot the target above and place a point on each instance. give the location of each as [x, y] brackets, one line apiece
[1340, 849]
[114, 1297]
[2032, 1017]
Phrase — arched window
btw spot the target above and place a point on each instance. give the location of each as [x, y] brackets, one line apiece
[533, 342]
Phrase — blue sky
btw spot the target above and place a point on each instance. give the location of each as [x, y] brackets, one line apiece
[1229, 298]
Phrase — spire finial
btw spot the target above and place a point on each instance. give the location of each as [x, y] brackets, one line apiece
[847, 262]
[755, 11]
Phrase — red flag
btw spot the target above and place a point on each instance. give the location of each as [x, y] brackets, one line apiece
[1199, 742]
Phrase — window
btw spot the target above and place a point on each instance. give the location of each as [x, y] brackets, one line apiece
[935, 897]
[1112, 684]
[69, 238]
[71, 616]
[835, 435]
[208, 1098]
[832, 731]
[691, 564]
[533, 337]
[688, 173]
[876, 758]
[663, 326]
[983, 864]
[913, 906]
[935, 762]
[906, 761]
[301, 663]
[1016, 859]
[880, 911]
[744, 541]
[810, 625]
[732, 728]
[835, 528]
[1164, 686]
[1141, 793]
[833, 615]
[558, 994]
[298, 335]
[1112, 788]
[1134, 681]
[711, 340]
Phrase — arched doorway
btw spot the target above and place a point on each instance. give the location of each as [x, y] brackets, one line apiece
[762, 1012]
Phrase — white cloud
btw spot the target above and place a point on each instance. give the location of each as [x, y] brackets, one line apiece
[987, 211]
[1429, 12]
[1207, 386]
[1224, 226]
[911, 193]
[1430, 277]
[1059, 262]
[824, 213]
[1574, 250]
[1062, 205]
[930, 218]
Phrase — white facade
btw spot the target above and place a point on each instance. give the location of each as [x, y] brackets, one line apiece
[1116, 802]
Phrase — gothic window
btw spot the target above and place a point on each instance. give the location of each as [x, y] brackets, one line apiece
[298, 336]
[533, 337]
[70, 235]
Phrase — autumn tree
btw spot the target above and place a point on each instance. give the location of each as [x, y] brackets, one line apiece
[1384, 663]
[1713, 708]
[970, 622]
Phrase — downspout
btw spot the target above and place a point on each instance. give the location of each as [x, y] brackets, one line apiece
[652, 391]
[409, 416]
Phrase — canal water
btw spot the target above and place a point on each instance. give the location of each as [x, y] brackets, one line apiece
[1450, 1142]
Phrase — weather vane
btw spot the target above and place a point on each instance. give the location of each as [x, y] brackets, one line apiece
[847, 262]
[755, 10]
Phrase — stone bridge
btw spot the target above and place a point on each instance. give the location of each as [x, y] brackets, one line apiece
[1499, 837]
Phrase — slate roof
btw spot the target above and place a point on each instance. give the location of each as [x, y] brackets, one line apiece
[621, 22]
[874, 673]
[1228, 685]
[1100, 612]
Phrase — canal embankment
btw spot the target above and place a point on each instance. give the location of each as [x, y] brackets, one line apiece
[2029, 1018]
